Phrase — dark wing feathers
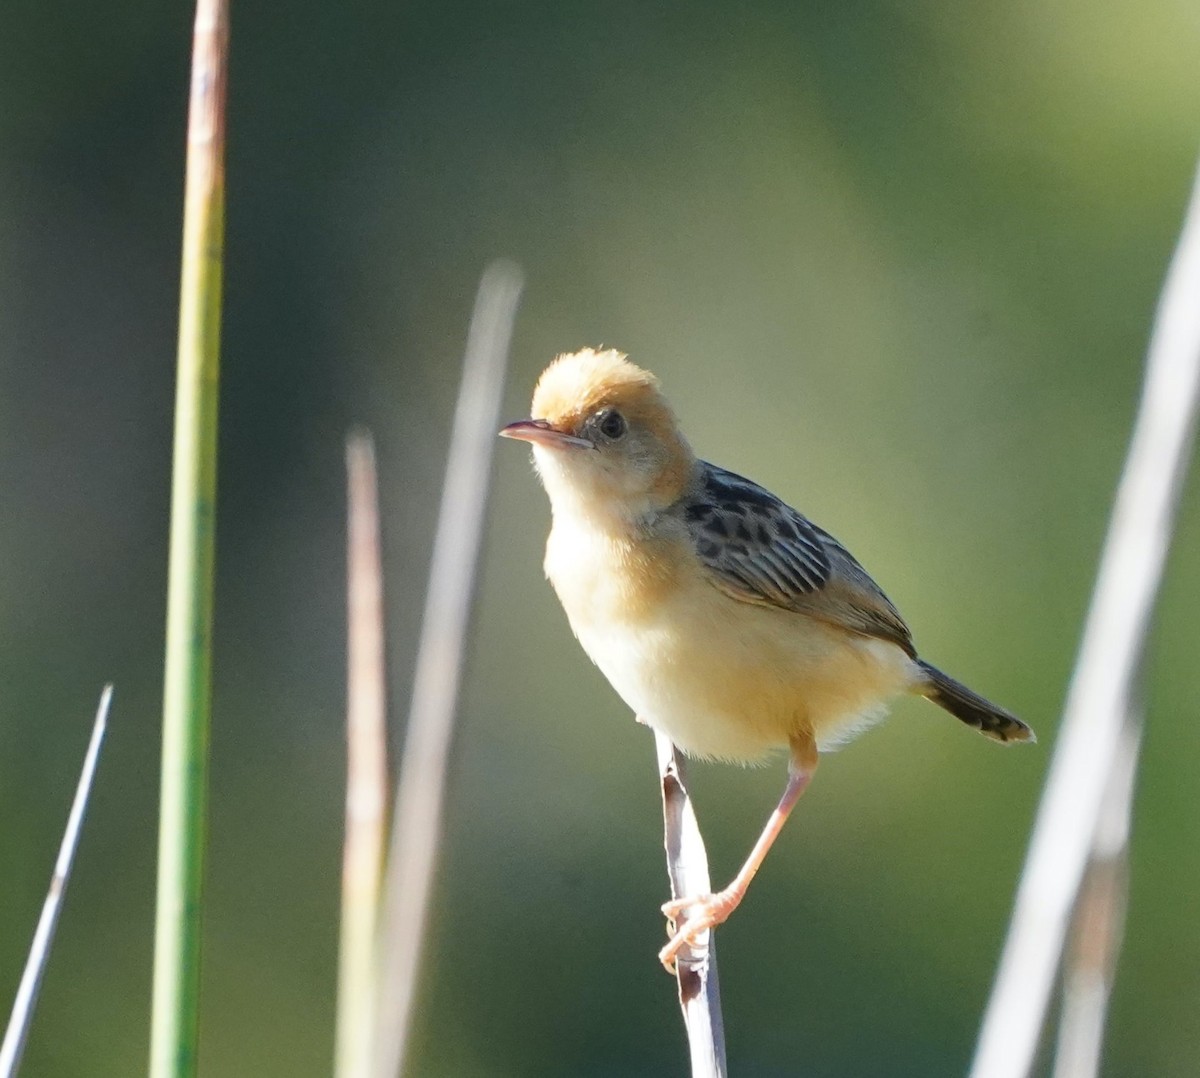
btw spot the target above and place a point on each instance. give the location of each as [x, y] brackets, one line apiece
[745, 534]
[760, 550]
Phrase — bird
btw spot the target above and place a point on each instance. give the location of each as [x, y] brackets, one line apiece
[723, 617]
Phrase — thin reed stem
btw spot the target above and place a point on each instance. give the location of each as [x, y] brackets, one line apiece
[416, 821]
[1100, 700]
[366, 765]
[186, 693]
[43, 937]
[695, 966]
[1099, 924]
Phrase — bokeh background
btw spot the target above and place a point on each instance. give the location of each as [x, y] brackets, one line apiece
[895, 259]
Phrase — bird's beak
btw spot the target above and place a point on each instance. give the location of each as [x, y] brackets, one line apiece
[539, 432]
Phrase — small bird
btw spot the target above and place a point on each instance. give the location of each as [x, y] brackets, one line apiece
[723, 617]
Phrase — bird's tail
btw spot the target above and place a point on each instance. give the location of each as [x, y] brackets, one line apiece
[971, 708]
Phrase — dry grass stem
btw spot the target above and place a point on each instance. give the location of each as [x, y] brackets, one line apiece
[416, 821]
[687, 867]
[366, 764]
[1100, 697]
[43, 936]
[1099, 924]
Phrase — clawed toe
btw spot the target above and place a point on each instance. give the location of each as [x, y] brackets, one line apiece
[705, 912]
[672, 910]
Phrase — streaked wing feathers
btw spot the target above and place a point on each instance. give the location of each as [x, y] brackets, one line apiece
[760, 550]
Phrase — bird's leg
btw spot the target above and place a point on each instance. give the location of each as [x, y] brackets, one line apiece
[708, 911]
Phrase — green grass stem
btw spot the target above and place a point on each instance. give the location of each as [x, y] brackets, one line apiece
[186, 691]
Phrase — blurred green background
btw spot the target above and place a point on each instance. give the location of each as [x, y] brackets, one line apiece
[896, 260]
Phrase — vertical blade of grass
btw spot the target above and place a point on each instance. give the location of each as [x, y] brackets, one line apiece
[416, 821]
[186, 692]
[366, 765]
[1099, 702]
[31, 980]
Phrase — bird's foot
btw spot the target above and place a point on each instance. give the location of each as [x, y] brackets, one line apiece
[703, 912]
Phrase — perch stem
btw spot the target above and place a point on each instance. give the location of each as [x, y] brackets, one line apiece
[696, 963]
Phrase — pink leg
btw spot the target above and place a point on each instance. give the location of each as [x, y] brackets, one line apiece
[708, 911]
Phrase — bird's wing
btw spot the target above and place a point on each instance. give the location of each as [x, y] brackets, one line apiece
[760, 550]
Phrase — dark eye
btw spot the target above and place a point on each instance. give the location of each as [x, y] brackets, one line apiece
[611, 424]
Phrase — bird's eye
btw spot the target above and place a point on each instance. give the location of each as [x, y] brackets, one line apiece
[611, 424]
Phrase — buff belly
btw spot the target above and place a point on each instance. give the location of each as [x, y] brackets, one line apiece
[735, 681]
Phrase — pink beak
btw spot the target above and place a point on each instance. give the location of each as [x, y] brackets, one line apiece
[539, 432]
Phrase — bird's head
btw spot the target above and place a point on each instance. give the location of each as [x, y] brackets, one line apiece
[604, 439]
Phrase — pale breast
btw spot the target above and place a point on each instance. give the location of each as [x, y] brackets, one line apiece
[722, 678]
